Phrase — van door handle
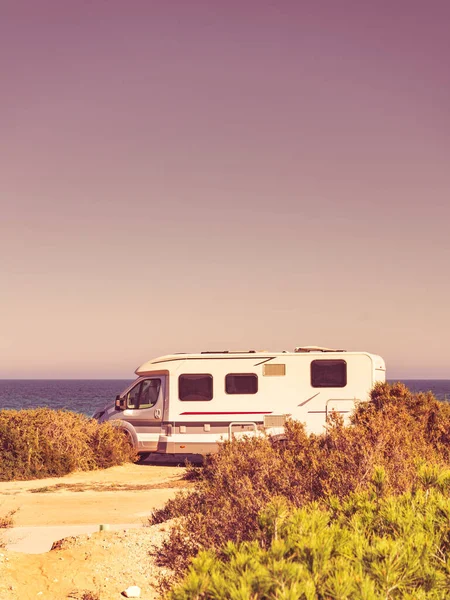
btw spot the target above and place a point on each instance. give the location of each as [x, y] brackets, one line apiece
[157, 413]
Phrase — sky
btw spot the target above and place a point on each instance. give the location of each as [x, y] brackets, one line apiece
[183, 176]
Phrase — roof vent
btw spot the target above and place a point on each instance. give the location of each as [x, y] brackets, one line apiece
[316, 349]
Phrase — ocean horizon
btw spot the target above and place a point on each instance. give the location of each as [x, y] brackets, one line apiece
[87, 395]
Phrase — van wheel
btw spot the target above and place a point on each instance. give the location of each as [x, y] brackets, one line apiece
[142, 457]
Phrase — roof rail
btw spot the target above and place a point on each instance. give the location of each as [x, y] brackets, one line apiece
[316, 349]
[228, 352]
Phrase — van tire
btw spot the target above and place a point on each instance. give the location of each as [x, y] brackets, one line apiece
[142, 457]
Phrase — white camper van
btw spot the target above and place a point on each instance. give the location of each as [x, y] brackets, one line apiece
[188, 403]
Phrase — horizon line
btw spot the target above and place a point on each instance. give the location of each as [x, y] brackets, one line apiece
[131, 378]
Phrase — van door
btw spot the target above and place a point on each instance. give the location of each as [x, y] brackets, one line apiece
[144, 411]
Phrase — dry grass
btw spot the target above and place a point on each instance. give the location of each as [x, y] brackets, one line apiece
[109, 487]
[84, 595]
[6, 521]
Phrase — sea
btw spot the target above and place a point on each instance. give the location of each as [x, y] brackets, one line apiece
[88, 395]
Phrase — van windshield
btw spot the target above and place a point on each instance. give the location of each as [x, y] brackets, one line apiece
[145, 394]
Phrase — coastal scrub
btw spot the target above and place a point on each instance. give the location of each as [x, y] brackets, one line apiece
[397, 433]
[42, 442]
[364, 547]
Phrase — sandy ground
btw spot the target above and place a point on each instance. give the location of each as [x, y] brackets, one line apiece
[103, 562]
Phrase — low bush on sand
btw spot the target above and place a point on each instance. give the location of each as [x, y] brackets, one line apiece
[42, 442]
[364, 547]
[6, 521]
[395, 433]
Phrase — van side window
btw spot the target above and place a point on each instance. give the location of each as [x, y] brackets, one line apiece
[145, 394]
[197, 387]
[241, 383]
[328, 373]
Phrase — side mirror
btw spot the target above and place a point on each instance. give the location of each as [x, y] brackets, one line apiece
[120, 403]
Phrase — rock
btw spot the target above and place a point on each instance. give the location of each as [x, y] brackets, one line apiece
[132, 592]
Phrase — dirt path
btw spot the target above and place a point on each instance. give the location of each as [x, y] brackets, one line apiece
[106, 562]
[122, 494]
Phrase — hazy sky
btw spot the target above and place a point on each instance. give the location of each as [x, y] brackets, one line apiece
[184, 175]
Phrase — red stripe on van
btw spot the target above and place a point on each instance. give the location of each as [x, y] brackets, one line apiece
[264, 412]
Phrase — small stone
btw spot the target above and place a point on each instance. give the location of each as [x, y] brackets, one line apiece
[132, 592]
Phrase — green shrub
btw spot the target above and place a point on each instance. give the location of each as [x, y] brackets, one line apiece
[42, 442]
[389, 437]
[365, 547]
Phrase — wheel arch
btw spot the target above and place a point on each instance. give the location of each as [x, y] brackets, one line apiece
[128, 428]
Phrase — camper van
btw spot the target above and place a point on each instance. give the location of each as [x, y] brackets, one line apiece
[189, 403]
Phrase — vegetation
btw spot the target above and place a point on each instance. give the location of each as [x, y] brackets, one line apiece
[84, 595]
[392, 437]
[42, 442]
[6, 521]
[364, 548]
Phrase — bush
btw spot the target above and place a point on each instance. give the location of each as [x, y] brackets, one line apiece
[364, 547]
[394, 433]
[42, 442]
